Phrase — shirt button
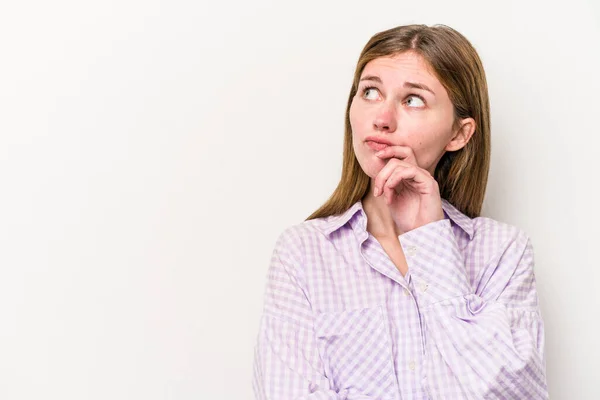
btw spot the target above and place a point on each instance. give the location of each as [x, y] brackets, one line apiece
[411, 250]
[424, 287]
[406, 292]
[411, 365]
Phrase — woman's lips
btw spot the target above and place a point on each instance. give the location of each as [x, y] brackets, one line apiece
[376, 145]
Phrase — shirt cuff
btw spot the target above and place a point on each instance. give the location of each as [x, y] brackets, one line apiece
[435, 263]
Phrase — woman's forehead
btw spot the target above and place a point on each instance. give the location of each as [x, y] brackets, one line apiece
[405, 66]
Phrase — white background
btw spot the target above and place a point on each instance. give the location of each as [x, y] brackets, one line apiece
[152, 151]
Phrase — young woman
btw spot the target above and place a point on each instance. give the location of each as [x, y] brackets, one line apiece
[397, 288]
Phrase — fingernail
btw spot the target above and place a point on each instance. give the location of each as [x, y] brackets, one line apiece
[379, 153]
[376, 191]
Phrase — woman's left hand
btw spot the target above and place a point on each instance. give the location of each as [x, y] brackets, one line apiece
[411, 193]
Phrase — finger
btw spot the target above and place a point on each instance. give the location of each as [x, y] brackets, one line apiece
[394, 182]
[393, 187]
[385, 173]
[411, 176]
[402, 152]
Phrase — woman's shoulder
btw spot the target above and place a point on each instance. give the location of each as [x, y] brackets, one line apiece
[309, 236]
[482, 227]
[488, 228]
[498, 245]
[305, 231]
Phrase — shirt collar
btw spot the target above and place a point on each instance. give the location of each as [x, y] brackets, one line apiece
[334, 222]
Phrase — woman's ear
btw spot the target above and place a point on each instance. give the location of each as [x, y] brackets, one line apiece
[462, 135]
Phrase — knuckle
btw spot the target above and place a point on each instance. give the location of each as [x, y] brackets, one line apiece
[391, 181]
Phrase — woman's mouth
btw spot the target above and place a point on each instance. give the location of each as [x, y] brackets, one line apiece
[376, 145]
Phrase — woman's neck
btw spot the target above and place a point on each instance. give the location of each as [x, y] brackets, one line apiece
[379, 218]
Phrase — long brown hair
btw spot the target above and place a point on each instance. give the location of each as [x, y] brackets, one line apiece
[462, 175]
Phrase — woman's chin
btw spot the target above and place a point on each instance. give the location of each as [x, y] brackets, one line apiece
[373, 171]
[371, 165]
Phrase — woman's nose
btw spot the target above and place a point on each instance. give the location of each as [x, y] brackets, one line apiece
[385, 119]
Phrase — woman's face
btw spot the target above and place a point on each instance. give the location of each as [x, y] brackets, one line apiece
[389, 105]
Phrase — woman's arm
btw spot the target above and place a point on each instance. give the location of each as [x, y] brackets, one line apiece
[287, 364]
[485, 342]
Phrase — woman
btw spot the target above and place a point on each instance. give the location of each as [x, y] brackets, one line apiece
[396, 288]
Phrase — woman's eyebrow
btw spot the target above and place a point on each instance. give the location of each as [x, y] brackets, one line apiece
[416, 85]
[412, 85]
[371, 78]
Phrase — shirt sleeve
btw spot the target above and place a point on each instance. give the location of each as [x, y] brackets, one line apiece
[485, 342]
[287, 364]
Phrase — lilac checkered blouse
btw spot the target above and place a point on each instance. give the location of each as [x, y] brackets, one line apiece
[341, 322]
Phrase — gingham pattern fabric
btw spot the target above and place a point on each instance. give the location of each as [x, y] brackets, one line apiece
[341, 322]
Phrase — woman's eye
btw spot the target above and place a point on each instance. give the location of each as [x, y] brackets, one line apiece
[419, 101]
[370, 91]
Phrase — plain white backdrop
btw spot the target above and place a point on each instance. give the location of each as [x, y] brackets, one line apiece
[152, 151]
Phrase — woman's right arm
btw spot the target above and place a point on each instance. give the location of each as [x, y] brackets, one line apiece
[287, 364]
